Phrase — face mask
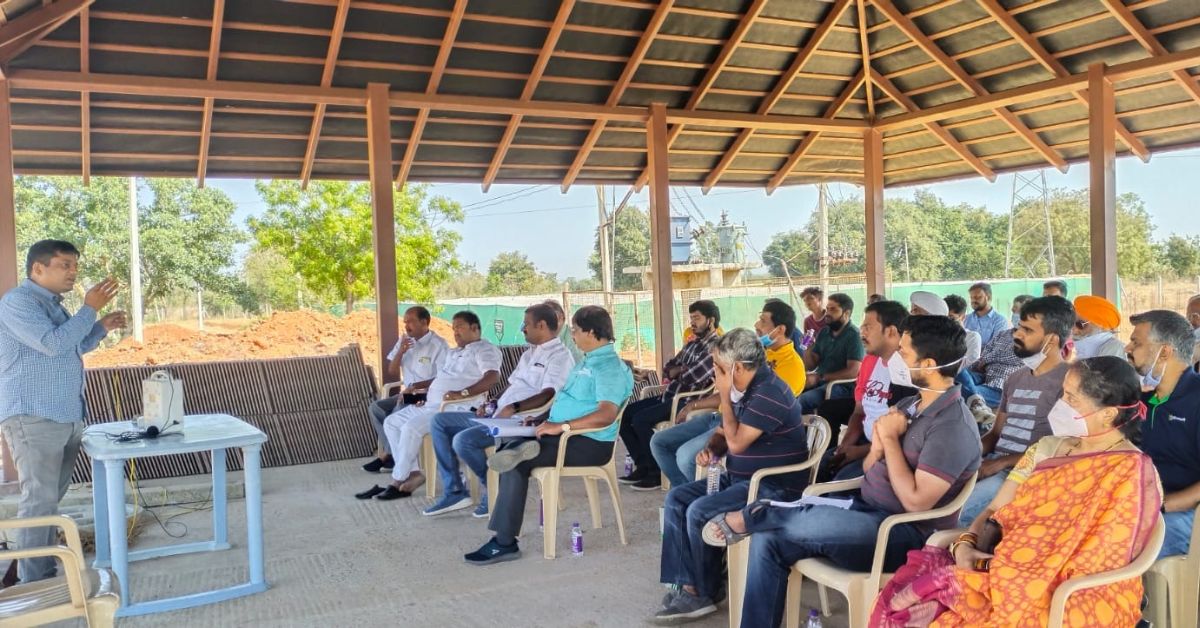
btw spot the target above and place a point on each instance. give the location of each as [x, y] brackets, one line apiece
[1150, 382]
[901, 373]
[1089, 346]
[1035, 360]
[736, 395]
[1016, 320]
[1065, 421]
[766, 341]
[836, 326]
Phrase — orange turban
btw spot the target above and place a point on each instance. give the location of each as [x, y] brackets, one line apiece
[1097, 311]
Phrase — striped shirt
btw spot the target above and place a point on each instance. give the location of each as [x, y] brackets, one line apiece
[770, 406]
[696, 361]
[1026, 403]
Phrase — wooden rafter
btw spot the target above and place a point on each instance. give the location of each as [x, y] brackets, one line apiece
[16, 36]
[435, 78]
[85, 100]
[331, 55]
[865, 47]
[936, 129]
[913, 32]
[806, 144]
[539, 67]
[214, 55]
[785, 81]
[1131, 23]
[614, 97]
[1034, 47]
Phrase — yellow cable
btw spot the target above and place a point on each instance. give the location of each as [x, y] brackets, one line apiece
[116, 393]
[133, 477]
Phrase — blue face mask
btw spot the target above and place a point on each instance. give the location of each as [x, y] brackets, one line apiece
[1016, 320]
[766, 340]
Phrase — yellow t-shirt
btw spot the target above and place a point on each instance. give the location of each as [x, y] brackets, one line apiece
[789, 366]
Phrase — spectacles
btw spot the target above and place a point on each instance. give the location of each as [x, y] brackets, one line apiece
[1081, 324]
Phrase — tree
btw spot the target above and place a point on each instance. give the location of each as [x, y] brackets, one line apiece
[325, 232]
[511, 273]
[1181, 255]
[632, 248]
[271, 279]
[468, 282]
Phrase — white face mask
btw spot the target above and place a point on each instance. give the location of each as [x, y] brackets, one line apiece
[1150, 381]
[901, 373]
[1035, 360]
[1065, 421]
[1196, 333]
[736, 395]
[1089, 347]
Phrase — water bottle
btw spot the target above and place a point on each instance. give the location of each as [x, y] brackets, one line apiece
[541, 514]
[628, 465]
[714, 477]
[576, 540]
[814, 619]
[809, 338]
[489, 409]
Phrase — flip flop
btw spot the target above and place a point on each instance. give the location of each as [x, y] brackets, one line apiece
[391, 493]
[369, 493]
[719, 524]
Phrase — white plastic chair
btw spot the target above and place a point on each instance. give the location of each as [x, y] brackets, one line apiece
[92, 594]
[860, 588]
[428, 459]
[676, 402]
[1173, 586]
[493, 478]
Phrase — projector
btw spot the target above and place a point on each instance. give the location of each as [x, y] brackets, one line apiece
[162, 401]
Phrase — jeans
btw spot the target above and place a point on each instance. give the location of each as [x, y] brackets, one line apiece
[675, 448]
[509, 510]
[379, 413]
[967, 382]
[638, 427]
[813, 398]
[1179, 532]
[456, 436]
[44, 452]
[782, 536]
[985, 491]
[686, 559]
[991, 394]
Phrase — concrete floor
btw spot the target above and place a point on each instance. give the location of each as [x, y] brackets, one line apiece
[333, 560]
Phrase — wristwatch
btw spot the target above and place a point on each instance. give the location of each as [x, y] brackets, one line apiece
[566, 428]
[466, 392]
[516, 406]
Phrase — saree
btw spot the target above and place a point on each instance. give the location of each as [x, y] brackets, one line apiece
[1073, 516]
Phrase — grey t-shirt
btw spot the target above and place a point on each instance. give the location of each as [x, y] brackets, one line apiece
[1027, 401]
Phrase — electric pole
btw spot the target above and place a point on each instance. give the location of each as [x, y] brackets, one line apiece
[823, 251]
[135, 263]
[606, 270]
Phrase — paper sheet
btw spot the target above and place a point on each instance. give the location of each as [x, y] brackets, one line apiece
[817, 500]
[506, 428]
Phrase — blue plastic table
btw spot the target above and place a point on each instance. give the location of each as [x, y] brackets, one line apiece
[210, 432]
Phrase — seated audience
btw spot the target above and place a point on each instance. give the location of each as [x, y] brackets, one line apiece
[1018, 302]
[978, 405]
[984, 318]
[1159, 349]
[564, 331]
[957, 307]
[814, 300]
[1096, 328]
[1029, 394]
[924, 303]
[837, 354]
[996, 363]
[875, 298]
[690, 370]
[470, 369]
[415, 360]
[760, 427]
[922, 454]
[1055, 288]
[1080, 502]
[675, 449]
[592, 398]
[540, 373]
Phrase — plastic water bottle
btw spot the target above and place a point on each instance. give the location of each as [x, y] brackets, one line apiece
[541, 514]
[807, 341]
[489, 409]
[576, 540]
[714, 477]
[628, 465]
[814, 619]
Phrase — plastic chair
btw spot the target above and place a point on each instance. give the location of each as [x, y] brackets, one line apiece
[550, 479]
[675, 403]
[493, 478]
[428, 459]
[92, 594]
[829, 385]
[1058, 602]
[1173, 586]
[737, 556]
[860, 588]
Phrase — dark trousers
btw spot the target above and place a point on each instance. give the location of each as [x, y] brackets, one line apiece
[509, 510]
[379, 411]
[637, 427]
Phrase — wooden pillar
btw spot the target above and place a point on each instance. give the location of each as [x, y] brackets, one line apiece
[383, 219]
[8, 235]
[873, 208]
[660, 234]
[1102, 176]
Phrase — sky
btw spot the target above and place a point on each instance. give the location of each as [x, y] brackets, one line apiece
[520, 217]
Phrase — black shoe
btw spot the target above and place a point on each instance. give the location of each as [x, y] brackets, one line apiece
[371, 492]
[493, 552]
[374, 466]
[638, 475]
[391, 493]
[652, 482]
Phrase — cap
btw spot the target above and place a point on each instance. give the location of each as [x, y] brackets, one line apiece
[1097, 311]
[930, 302]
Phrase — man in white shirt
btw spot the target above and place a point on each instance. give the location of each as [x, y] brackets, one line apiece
[415, 360]
[470, 369]
[564, 330]
[541, 372]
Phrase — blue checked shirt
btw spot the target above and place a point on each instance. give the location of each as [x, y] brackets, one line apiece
[41, 354]
[987, 325]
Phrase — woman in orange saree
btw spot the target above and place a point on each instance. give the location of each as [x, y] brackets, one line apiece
[1081, 502]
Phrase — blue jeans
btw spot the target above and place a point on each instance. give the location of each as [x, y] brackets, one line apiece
[967, 382]
[456, 436]
[782, 536]
[985, 491]
[1179, 532]
[675, 448]
[811, 399]
[991, 395]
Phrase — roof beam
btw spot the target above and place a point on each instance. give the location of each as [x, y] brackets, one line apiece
[618, 90]
[16, 36]
[1034, 47]
[539, 67]
[1126, 17]
[936, 129]
[781, 86]
[85, 100]
[435, 78]
[810, 139]
[865, 47]
[214, 55]
[331, 55]
[909, 28]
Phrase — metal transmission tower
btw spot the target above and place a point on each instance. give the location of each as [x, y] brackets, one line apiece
[1027, 231]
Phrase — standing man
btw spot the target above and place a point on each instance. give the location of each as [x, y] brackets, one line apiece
[814, 300]
[415, 360]
[836, 354]
[984, 319]
[41, 383]
[1096, 328]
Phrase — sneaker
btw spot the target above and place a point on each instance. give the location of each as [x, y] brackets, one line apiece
[672, 592]
[508, 458]
[481, 511]
[374, 466]
[636, 476]
[684, 608]
[652, 482]
[448, 503]
[493, 552]
[980, 409]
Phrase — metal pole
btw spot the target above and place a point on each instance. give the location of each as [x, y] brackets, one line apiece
[200, 306]
[823, 226]
[135, 263]
[606, 269]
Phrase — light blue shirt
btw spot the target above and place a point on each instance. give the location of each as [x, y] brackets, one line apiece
[601, 376]
[987, 325]
[41, 354]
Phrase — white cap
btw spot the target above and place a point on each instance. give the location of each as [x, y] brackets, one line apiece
[930, 302]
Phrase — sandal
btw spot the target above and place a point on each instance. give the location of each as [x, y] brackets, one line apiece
[719, 524]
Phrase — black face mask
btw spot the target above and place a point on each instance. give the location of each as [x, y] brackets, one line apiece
[836, 326]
